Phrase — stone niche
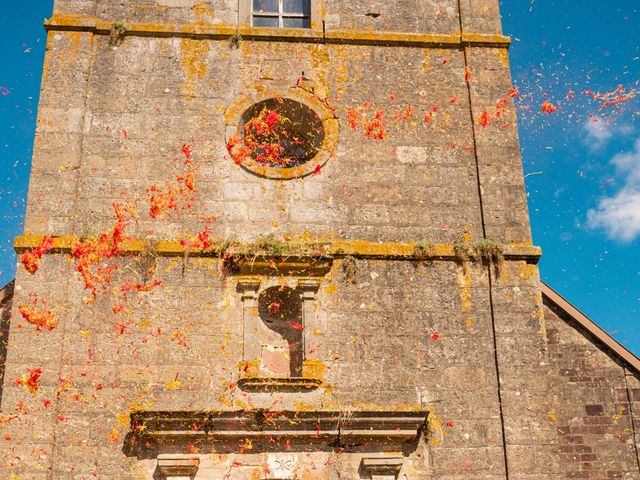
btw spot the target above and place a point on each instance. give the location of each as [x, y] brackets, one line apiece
[275, 312]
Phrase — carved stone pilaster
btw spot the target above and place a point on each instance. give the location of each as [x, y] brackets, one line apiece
[248, 288]
[381, 468]
[177, 468]
[308, 288]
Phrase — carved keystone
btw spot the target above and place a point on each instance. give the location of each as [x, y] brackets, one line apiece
[385, 468]
[178, 468]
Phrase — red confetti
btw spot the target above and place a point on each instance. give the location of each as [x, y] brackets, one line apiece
[274, 308]
[40, 317]
[31, 260]
[484, 119]
[548, 108]
[30, 381]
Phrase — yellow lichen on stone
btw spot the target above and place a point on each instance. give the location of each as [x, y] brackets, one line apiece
[436, 431]
[463, 280]
[528, 272]
[321, 61]
[426, 63]
[202, 11]
[331, 289]
[503, 54]
[193, 60]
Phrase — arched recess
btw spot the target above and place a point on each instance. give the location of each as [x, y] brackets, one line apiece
[282, 348]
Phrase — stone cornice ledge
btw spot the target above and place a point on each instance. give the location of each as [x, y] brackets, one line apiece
[320, 249]
[85, 23]
[382, 427]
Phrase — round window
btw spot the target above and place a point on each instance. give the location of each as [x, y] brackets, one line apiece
[279, 138]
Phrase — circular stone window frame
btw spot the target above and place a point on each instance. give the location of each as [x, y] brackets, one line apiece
[233, 127]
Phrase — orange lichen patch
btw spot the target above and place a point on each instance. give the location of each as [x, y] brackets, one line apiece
[193, 60]
[40, 317]
[313, 369]
[202, 11]
[483, 121]
[375, 129]
[435, 427]
[429, 115]
[172, 197]
[31, 380]
[528, 272]
[31, 259]
[263, 140]
[463, 280]
[249, 368]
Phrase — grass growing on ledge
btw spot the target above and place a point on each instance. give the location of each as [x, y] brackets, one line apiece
[424, 249]
[235, 39]
[116, 34]
[489, 252]
[235, 253]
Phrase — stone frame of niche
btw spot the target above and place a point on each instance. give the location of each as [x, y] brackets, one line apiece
[317, 9]
[233, 126]
[249, 287]
[173, 467]
[381, 468]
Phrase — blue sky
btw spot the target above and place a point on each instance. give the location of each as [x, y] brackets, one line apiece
[583, 176]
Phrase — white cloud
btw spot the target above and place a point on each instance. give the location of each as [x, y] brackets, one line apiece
[599, 132]
[619, 215]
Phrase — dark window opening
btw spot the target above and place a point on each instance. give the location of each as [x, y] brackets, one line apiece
[282, 13]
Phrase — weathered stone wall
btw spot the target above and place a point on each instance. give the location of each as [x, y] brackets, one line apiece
[593, 394]
[393, 333]
[418, 184]
[6, 298]
[399, 365]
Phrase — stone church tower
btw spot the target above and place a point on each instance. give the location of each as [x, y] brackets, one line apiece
[288, 239]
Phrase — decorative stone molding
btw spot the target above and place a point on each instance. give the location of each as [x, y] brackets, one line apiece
[291, 384]
[389, 431]
[100, 26]
[330, 126]
[177, 468]
[295, 264]
[248, 288]
[381, 468]
[308, 288]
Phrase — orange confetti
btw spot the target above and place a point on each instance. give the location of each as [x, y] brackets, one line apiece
[31, 260]
[548, 108]
[30, 381]
[40, 317]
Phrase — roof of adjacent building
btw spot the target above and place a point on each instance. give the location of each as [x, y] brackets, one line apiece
[599, 335]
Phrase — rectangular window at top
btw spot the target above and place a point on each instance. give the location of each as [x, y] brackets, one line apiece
[282, 13]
